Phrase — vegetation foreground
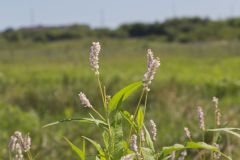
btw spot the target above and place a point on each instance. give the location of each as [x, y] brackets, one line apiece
[187, 78]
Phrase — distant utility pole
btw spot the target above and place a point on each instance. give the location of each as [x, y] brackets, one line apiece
[232, 10]
[32, 17]
[102, 18]
[174, 9]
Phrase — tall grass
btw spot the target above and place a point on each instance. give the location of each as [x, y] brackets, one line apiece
[41, 81]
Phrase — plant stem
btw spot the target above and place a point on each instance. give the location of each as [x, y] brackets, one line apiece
[145, 105]
[215, 135]
[203, 139]
[138, 105]
[135, 113]
[29, 155]
[98, 113]
[9, 153]
[140, 142]
[101, 90]
[144, 110]
[104, 102]
[103, 94]
[229, 145]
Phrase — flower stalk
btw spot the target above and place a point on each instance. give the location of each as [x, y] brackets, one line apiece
[152, 65]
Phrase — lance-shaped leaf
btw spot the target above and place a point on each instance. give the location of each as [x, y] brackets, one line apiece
[170, 149]
[98, 148]
[122, 95]
[203, 145]
[78, 151]
[227, 130]
[192, 145]
[140, 118]
[117, 132]
[126, 115]
[147, 153]
[82, 120]
[148, 138]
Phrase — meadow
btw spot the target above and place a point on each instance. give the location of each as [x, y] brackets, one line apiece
[40, 82]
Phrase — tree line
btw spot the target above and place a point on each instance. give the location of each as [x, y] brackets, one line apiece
[183, 30]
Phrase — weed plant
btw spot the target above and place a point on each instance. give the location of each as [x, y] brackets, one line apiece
[126, 135]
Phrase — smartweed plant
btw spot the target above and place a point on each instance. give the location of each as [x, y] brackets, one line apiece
[20, 145]
[136, 141]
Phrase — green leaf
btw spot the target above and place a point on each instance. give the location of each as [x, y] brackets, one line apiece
[148, 138]
[98, 148]
[83, 120]
[122, 95]
[140, 118]
[192, 145]
[228, 130]
[170, 149]
[118, 142]
[203, 145]
[126, 115]
[91, 120]
[51, 124]
[97, 158]
[126, 146]
[148, 154]
[80, 153]
[167, 157]
[233, 133]
[105, 136]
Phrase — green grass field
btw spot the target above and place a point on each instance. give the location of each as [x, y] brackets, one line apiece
[39, 83]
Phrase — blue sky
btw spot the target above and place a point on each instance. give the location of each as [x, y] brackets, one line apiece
[109, 13]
